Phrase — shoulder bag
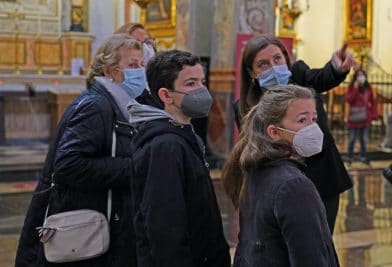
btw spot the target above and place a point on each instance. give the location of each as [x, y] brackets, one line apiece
[76, 235]
[358, 114]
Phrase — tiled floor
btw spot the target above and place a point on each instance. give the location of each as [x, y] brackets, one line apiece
[363, 234]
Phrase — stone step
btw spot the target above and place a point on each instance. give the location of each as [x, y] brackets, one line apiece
[8, 245]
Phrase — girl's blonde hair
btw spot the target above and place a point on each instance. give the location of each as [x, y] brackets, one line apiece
[254, 144]
[108, 55]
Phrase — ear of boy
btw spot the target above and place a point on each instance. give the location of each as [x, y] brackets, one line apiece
[164, 96]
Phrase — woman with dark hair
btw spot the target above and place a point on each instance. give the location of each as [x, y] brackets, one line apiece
[360, 99]
[282, 218]
[266, 63]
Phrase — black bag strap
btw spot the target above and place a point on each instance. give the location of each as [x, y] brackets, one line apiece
[59, 132]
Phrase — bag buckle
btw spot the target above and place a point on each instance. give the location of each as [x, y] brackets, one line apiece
[45, 233]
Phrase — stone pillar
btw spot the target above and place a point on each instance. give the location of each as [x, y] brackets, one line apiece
[182, 24]
[2, 121]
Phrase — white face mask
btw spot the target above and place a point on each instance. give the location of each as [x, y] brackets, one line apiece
[361, 79]
[308, 141]
[148, 53]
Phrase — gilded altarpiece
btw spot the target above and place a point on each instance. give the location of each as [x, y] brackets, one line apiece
[30, 30]
[358, 28]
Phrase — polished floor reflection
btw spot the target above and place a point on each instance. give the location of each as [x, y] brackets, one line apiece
[363, 233]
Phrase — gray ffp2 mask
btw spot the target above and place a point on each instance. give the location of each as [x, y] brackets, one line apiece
[196, 103]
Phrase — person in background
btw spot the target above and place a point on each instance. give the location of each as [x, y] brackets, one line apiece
[79, 162]
[359, 95]
[137, 31]
[282, 217]
[176, 215]
[265, 63]
[386, 145]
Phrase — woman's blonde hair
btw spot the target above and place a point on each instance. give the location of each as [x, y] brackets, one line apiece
[108, 55]
[254, 144]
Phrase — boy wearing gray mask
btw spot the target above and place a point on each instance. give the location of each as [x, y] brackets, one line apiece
[176, 216]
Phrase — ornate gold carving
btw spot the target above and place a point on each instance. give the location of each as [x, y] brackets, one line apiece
[15, 52]
[142, 3]
[45, 54]
[159, 18]
[288, 13]
[358, 23]
[29, 17]
[79, 16]
[48, 53]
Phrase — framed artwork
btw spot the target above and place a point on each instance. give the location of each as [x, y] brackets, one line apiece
[358, 21]
[159, 18]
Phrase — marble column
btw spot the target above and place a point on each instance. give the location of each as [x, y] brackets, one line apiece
[240, 16]
[2, 121]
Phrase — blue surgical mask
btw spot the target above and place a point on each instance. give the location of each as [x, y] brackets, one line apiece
[276, 75]
[134, 81]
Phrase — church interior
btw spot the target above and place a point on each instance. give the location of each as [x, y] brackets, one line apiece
[46, 47]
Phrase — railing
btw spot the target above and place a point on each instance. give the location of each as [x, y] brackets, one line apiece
[337, 108]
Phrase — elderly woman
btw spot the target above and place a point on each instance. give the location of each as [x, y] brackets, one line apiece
[80, 163]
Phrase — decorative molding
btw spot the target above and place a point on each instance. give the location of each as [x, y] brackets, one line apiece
[30, 17]
[159, 18]
[16, 51]
[49, 53]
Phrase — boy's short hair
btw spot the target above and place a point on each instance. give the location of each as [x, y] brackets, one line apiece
[162, 70]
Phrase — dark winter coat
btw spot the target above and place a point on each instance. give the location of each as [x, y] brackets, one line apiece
[283, 220]
[325, 169]
[177, 220]
[83, 171]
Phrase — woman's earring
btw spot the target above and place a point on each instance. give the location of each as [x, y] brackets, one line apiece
[254, 81]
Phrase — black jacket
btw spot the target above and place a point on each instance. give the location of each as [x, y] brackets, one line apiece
[177, 220]
[325, 169]
[80, 159]
[283, 220]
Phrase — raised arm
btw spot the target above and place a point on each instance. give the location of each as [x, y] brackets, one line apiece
[331, 75]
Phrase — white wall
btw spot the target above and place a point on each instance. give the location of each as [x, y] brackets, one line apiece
[101, 19]
[382, 34]
[106, 16]
[320, 31]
